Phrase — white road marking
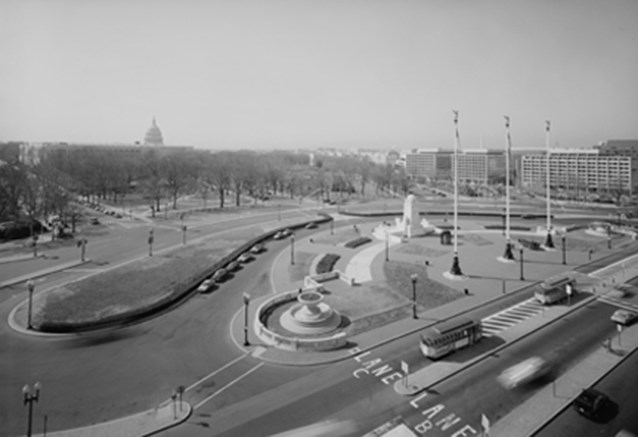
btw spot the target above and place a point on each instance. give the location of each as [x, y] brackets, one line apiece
[243, 375]
[210, 375]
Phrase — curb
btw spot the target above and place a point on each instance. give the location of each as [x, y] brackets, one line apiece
[571, 400]
[188, 414]
[43, 272]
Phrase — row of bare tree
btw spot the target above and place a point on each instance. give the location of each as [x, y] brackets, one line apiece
[52, 179]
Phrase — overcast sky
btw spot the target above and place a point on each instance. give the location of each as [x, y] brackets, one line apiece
[334, 73]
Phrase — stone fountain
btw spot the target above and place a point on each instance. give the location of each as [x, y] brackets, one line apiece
[310, 315]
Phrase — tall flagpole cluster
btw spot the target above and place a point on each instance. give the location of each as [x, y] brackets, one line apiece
[508, 255]
[548, 241]
[456, 268]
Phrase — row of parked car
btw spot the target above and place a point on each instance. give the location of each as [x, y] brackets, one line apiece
[221, 274]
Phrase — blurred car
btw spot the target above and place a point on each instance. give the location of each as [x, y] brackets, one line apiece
[279, 235]
[624, 317]
[523, 372]
[206, 285]
[311, 225]
[590, 403]
[219, 275]
[257, 248]
[95, 221]
[245, 257]
[232, 266]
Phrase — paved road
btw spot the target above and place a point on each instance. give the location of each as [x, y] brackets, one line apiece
[347, 393]
[620, 385]
[96, 377]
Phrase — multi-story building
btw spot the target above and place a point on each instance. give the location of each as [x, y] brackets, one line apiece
[481, 166]
[429, 164]
[579, 170]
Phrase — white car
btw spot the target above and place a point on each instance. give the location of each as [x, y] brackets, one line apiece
[206, 285]
[523, 372]
[624, 317]
[245, 257]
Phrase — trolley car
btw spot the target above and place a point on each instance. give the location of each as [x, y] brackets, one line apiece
[447, 337]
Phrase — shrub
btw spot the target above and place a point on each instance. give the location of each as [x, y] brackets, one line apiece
[327, 263]
[358, 242]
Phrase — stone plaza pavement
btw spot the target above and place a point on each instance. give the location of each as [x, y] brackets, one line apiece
[486, 279]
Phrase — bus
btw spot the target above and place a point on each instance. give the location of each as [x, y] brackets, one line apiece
[446, 337]
[554, 289]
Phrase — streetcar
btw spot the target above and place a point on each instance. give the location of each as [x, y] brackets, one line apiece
[447, 337]
[554, 289]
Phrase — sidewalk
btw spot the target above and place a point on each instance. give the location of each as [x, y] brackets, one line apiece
[147, 423]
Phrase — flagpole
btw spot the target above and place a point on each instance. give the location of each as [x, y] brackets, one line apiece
[508, 255]
[456, 268]
[548, 241]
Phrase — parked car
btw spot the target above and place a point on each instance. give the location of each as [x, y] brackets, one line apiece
[624, 317]
[245, 257]
[311, 225]
[205, 286]
[279, 235]
[219, 275]
[590, 403]
[523, 372]
[232, 266]
[95, 221]
[257, 248]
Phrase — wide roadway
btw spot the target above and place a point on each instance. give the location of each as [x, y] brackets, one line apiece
[366, 399]
[91, 378]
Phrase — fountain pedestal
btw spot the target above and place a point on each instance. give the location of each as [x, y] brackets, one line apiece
[310, 315]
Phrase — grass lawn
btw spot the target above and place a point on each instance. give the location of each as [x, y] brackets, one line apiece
[133, 286]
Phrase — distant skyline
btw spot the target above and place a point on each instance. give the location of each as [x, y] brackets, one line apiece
[323, 73]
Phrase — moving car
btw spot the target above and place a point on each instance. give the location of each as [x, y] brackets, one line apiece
[279, 235]
[232, 266]
[523, 372]
[311, 225]
[590, 403]
[206, 285]
[624, 317]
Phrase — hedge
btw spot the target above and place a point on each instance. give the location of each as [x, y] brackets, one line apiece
[327, 263]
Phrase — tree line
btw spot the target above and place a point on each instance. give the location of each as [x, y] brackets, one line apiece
[50, 181]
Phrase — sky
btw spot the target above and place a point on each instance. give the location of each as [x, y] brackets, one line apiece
[226, 74]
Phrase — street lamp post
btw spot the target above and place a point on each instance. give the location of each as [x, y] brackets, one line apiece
[521, 257]
[564, 252]
[30, 288]
[150, 242]
[387, 247]
[184, 234]
[29, 398]
[246, 302]
[292, 250]
[332, 225]
[35, 246]
[82, 246]
[414, 277]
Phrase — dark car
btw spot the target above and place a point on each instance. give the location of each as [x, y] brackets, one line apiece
[590, 403]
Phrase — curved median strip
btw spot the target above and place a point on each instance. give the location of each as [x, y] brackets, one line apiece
[138, 290]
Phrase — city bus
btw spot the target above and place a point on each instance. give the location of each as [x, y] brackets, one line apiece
[554, 289]
[446, 337]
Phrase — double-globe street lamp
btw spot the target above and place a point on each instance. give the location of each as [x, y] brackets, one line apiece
[30, 396]
[414, 278]
[292, 250]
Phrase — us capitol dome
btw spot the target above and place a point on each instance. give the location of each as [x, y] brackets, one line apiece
[153, 135]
